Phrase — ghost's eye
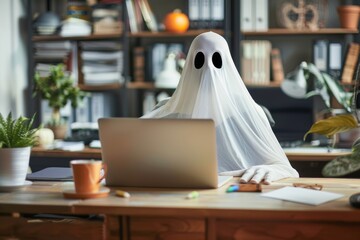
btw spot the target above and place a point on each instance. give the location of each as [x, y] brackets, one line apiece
[217, 61]
[199, 60]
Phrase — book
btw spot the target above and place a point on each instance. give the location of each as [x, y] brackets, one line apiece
[148, 16]
[131, 15]
[51, 174]
[351, 60]
[276, 65]
[139, 64]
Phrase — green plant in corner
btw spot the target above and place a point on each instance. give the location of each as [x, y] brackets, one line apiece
[17, 133]
[58, 88]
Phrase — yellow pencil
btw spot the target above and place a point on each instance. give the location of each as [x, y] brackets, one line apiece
[123, 194]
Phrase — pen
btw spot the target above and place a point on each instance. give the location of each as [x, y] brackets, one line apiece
[122, 194]
[244, 188]
[192, 195]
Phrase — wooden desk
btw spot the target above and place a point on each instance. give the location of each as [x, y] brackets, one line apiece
[166, 214]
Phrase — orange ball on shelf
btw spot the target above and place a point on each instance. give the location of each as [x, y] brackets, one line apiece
[176, 22]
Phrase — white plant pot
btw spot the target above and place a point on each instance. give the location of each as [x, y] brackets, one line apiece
[14, 163]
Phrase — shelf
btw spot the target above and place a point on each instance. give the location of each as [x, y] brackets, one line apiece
[269, 85]
[145, 86]
[105, 87]
[43, 38]
[190, 33]
[285, 31]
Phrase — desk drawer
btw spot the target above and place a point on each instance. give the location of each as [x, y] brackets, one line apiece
[151, 228]
[275, 230]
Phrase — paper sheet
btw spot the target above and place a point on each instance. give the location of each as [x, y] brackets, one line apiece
[302, 195]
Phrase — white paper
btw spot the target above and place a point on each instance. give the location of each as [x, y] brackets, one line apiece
[302, 195]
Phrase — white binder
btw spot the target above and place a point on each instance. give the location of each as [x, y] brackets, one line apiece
[261, 15]
[247, 15]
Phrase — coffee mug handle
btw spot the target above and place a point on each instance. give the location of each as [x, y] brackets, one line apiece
[104, 168]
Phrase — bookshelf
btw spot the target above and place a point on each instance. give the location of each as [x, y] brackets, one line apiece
[295, 46]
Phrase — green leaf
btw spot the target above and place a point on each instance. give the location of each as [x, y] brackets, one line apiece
[333, 125]
[17, 132]
[342, 166]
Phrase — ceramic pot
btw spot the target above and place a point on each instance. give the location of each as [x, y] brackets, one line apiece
[59, 131]
[14, 164]
[349, 16]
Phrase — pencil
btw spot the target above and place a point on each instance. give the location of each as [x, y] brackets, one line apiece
[123, 194]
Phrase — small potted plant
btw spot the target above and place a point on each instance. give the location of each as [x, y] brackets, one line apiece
[59, 89]
[16, 139]
[349, 16]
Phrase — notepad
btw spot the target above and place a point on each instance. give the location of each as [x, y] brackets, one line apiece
[52, 174]
[302, 195]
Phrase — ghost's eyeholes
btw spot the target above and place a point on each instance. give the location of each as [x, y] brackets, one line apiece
[199, 60]
[216, 59]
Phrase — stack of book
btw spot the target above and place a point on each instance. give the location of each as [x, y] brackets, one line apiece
[102, 62]
[107, 19]
[255, 62]
[48, 54]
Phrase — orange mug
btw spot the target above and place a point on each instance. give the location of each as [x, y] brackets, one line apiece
[87, 175]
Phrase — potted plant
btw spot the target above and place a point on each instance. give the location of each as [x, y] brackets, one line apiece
[58, 88]
[16, 139]
[349, 16]
[331, 126]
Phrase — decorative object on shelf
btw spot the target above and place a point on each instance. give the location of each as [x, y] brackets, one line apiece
[46, 23]
[349, 16]
[45, 137]
[17, 136]
[169, 77]
[72, 27]
[302, 14]
[58, 88]
[176, 22]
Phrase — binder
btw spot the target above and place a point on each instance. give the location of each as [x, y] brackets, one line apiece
[247, 15]
[204, 14]
[194, 10]
[261, 15]
[217, 13]
[335, 51]
[320, 54]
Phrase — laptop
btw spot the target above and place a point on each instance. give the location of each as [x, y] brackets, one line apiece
[168, 153]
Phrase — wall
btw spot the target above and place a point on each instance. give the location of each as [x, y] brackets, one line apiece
[13, 63]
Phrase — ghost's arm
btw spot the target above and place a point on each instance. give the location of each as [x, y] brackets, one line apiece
[270, 169]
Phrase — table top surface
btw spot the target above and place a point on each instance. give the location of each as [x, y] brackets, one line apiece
[47, 197]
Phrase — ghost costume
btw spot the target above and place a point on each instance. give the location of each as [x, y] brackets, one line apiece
[211, 87]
